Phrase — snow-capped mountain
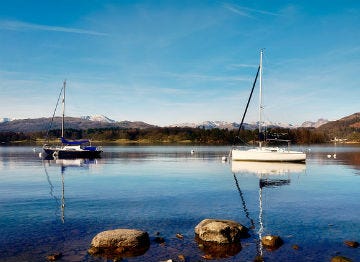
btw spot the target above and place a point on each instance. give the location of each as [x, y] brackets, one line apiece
[5, 119]
[207, 125]
[316, 124]
[217, 124]
[280, 124]
[231, 125]
[98, 118]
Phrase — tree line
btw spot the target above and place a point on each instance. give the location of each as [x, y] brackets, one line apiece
[173, 135]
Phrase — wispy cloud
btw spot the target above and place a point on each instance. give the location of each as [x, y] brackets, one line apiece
[237, 10]
[243, 66]
[201, 77]
[24, 26]
[247, 12]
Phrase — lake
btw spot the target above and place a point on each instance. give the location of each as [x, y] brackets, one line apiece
[50, 206]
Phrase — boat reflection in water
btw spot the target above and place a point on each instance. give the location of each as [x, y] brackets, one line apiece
[267, 168]
[64, 164]
[270, 174]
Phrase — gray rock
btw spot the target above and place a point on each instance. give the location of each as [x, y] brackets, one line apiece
[221, 231]
[120, 243]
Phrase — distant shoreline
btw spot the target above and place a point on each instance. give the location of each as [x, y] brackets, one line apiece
[118, 142]
[40, 142]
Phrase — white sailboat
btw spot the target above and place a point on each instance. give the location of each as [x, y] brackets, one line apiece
[264, 153]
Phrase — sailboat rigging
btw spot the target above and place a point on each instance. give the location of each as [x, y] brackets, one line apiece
[264, 153]
[70, 149]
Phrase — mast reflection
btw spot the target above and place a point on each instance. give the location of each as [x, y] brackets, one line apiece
[270, 175]
[64, 164]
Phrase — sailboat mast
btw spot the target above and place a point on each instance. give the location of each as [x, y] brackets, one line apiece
[260, 98]
[63, 111]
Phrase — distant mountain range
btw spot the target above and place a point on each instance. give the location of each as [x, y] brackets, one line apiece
[215, 124]
[316, 124]
[100, 121]
[234, 125]
[41, 124]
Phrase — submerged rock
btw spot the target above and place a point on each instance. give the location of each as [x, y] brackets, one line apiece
[271, 242]
[340, 259]
[159, 240]
[259, 259]
[295, 247]
[221, 231]
[120, 243]
[179, 236]
[54, 257]
[353, 244]
[214, 250]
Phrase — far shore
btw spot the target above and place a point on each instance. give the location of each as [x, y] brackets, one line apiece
[40, 142]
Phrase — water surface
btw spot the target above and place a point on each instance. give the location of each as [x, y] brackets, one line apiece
[52, 206]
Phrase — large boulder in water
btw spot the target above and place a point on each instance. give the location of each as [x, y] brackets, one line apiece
[221, 231]
[120, 243]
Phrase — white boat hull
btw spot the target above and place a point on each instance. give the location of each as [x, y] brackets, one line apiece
[267, 154]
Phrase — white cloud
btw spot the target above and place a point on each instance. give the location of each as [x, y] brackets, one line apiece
[247, 12]
[202, 77]
[24, 26]
[237, 10]
[243, 66]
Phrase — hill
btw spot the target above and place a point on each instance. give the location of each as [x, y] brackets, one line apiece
[345, 128]
[42, 124]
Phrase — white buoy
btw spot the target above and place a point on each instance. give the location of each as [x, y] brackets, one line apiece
[334, 156]
[40, 155]
[224, 159]
[192, 151]
[328, 156]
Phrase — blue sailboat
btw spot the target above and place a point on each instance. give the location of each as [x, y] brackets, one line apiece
[71, 148]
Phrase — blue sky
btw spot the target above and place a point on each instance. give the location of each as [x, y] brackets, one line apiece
[166, 62]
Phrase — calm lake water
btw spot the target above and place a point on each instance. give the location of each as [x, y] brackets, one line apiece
[49, 206]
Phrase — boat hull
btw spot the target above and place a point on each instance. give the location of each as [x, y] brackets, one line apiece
[61, 153]
[267, 155]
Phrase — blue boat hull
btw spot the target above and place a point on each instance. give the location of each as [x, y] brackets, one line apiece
[72, 153]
